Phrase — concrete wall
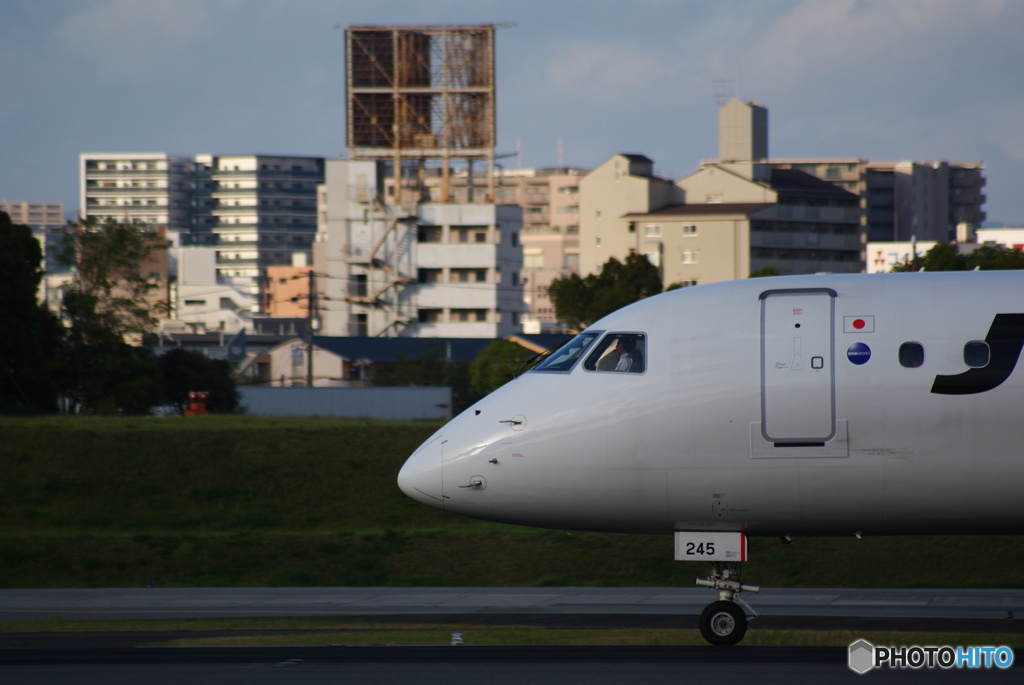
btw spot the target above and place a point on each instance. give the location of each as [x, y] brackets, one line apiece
[433, 403]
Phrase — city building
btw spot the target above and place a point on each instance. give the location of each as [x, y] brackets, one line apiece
[938, 201]
[289, 290]
[433, 270]
[150, 187]
[202, 301]
[550, 235]
[46, 219]
[347, 361]
[726, 220]
[624, 184]
[257, 210]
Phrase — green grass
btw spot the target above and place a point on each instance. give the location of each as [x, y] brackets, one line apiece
[249, 501]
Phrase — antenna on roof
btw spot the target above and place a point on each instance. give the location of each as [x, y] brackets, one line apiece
[724, 90]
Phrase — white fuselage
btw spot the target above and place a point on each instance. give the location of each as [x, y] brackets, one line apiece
[776, 406]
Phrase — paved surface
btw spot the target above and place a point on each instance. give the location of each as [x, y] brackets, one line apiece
[93, 604]
[464, 665]
[59, 659]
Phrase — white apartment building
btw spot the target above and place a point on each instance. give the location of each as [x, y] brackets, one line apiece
[430, 270]
[152, 187]
[550, 199]
[202, 301]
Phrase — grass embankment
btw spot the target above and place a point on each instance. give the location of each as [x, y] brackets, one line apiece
[247, 501]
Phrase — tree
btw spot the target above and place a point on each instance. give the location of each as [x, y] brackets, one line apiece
[108, 284]
[497, 364]
[109, 299]
[582, 301]
[185, 371]
[31, 332]
[431, 367]
[947, 257]
[764, 272]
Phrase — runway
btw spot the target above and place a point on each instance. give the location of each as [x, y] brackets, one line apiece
[65, 658]
[498, 604]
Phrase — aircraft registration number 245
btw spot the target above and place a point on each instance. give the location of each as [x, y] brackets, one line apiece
[701, 546]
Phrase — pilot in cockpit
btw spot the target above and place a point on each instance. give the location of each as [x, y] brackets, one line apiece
[624, 356]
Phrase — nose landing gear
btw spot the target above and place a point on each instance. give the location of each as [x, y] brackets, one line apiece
[724, 622]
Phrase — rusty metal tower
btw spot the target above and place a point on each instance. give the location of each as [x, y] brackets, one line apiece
[418, 93]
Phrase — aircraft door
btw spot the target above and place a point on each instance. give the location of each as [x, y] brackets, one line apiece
[797, 366]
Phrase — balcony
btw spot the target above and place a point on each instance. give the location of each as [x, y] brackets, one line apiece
[266, 174]
[101, 190]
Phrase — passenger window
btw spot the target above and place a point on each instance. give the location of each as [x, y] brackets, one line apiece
[911, 355]
[621, 352]
[976, 354]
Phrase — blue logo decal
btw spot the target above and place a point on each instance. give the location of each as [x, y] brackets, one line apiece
[858, 353]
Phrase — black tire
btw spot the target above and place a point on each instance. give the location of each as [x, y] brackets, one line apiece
[723, 623]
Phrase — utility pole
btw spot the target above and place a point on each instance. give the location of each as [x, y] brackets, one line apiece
[312, 322]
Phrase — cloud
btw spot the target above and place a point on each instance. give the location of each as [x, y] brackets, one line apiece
[603, 72]
[133, 39]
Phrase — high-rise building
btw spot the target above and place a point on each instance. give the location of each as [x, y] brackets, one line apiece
[902, 201]
[257, 210]
[152, 187]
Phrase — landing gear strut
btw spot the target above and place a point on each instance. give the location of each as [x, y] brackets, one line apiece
[724, 622]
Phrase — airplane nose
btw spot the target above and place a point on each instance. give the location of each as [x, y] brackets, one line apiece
[421, 477]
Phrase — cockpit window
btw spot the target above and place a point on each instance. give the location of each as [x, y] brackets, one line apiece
[566, 356]
[622, 352]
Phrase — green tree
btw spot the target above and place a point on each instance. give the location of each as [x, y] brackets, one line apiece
[109, 299]
[947, 257]
[497, 364]
[582, 301]
[31, 332]
[185, 371]
[764, 272]
[431, 367]
[108, 283]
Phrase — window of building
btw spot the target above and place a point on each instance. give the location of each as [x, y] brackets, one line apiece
[429, 234]
[911, 355]
[652, 230]
[533, 258]
[429, 315]
[691, 257]
[689, 229]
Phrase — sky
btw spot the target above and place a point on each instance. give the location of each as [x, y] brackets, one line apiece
[577, 81]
